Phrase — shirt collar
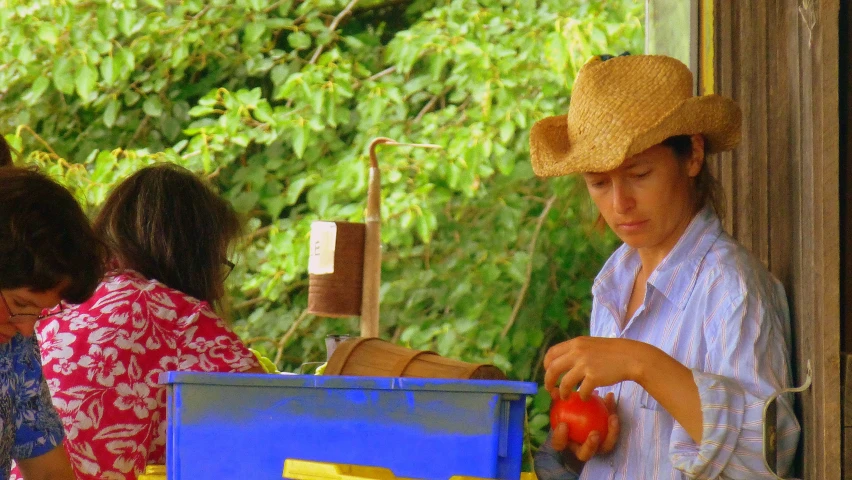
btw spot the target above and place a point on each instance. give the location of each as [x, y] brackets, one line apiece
[674, 277]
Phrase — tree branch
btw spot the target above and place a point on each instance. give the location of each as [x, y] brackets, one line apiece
[429, 106]
[520, 300]
[257, 233]
[381, 74]
[249, 303]
[284, 339]
[334, 23]
[214, 173]
[38, 137]
[261, 339]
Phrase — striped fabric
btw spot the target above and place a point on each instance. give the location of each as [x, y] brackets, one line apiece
[715, 308]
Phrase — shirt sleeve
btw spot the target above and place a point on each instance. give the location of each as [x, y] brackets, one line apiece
[747, 361]
[206, 344]
[549, 464]
[38, 427]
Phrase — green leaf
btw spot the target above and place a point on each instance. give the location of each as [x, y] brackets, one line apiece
[201, 110]
[507, 130]
[47, 33]
[254, 31]
[153, 107]
[131, 97]
[62, 75]
[107, 72]
[300, 136]
[36, 91]
[279, 74]
[295, 189]
[179, 54]
[424, 232]
[125, 22]
[506, 163]
[170, 127]
[158, 4]
[245, 201]
[85, 82]
[317, 97]
[111, 112]
[299, 40]
[324, 37]
[125, 62]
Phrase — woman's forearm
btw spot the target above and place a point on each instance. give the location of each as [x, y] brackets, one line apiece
[673, 387]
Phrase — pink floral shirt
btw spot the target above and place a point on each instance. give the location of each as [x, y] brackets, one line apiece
[102, 360]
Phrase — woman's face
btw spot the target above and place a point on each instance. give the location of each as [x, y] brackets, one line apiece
[20, 309]
[647, 201]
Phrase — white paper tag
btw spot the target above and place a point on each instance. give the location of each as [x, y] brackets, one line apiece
[323, 239]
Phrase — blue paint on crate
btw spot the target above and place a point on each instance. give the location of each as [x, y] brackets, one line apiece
[245, 426]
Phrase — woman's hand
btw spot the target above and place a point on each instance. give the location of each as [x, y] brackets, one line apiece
[594, 362]
[591, 362]
[593, 444]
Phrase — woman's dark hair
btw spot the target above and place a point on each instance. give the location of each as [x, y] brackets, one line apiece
[5, 153]
[167, 224]
[45, 238]
[707, 188]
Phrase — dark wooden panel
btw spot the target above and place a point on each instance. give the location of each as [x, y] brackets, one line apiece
[846, 175]
[846, 371]
[845, 228]
[847, 452]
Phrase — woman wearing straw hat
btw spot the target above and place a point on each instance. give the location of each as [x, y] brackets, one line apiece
[695, 322]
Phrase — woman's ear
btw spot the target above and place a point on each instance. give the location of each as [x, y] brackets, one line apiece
[696, 161]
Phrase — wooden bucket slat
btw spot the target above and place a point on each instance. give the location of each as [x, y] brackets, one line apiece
[379, 358]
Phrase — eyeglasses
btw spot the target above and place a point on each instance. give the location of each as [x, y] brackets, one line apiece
[229, 267]
[25, 317]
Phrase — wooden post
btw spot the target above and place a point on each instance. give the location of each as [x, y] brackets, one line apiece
[372, 281]
[846, 367]
[372, 247]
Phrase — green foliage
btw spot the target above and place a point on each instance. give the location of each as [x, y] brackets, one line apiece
[276, 103]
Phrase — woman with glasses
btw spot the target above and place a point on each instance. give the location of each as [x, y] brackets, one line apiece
[168, 234]
[48, 254]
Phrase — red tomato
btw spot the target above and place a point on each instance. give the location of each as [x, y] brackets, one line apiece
[581, 417]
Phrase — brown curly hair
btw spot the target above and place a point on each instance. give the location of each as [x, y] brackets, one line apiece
[45, 238]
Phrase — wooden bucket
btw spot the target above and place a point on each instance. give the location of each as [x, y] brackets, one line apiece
[336, 291]
[373, 357]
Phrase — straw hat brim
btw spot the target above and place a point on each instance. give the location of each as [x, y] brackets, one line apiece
[554, 153]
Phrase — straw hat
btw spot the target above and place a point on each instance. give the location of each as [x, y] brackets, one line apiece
[624, 105]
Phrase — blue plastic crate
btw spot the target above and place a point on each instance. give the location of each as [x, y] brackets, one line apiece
[244, 426]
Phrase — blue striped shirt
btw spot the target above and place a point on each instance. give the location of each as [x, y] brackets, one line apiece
[716, 309]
